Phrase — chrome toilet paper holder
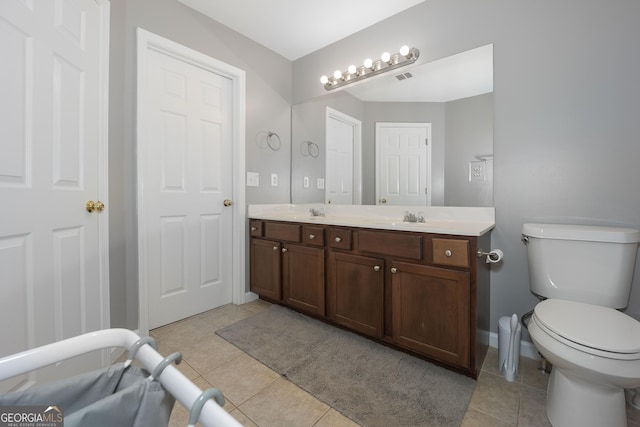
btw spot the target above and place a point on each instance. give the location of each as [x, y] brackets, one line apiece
[493, 256]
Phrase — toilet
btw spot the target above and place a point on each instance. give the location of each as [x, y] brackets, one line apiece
[583, 274]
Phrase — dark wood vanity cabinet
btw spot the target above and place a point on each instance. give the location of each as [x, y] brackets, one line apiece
[303, 278]
[431, 309]
[290, 270]
[424, 293]
[355, 292]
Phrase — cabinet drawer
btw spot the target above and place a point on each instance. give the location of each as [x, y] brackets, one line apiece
[313, 236]
[451, 252]
[282, 231]
[255, 228]
[340, 238]
[394, 244]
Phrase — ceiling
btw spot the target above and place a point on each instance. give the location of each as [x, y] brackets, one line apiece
[295, 28]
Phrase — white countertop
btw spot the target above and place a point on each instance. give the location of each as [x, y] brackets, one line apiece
[463, 221]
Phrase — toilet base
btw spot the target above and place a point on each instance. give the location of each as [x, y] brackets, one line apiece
[574, 402]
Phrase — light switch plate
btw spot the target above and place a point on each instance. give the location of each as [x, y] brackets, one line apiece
[320, 184]
[253, 179]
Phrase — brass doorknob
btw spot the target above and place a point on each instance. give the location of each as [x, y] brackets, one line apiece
[94, 206]
[383, 201]
[227, 202]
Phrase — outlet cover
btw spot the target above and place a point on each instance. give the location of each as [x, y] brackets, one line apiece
[320, 184]
[274, 179]
[305, 182]
[477, 170]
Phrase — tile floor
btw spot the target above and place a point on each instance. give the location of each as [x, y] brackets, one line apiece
[257, 396]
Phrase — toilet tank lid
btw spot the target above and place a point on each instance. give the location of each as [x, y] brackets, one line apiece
[581, 232]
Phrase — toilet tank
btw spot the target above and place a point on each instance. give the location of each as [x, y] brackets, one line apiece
[581, 263]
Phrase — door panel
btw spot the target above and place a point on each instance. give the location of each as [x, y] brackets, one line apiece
[186, 174]
[51, 248]
[403, 164]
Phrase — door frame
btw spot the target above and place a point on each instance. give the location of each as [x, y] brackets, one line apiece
[149, 41]
[357, 151]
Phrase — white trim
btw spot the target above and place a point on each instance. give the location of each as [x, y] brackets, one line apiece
[145, 41]
[103, 168]
[527, 349]
[357, 150]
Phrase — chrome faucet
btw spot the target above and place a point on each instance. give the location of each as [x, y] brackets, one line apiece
[317, 212]
[411, 217]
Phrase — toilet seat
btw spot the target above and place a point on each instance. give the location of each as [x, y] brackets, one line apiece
[601, 331]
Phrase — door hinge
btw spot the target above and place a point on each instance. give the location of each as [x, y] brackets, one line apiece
[426, 141]
[426, 190]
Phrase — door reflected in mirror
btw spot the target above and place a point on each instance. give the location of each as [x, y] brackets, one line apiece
[452, 96]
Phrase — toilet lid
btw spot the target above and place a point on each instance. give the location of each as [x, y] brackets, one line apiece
[600, 328]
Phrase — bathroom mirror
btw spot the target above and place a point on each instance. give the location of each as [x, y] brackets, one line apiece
[453, 95]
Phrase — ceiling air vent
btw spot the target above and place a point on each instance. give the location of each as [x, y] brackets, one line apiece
[404, 76]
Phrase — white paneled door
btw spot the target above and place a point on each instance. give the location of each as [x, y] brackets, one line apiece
[53, 251]
[343, 165]
[403, 163]
[186, 174]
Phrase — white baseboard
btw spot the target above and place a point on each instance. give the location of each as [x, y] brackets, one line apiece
[250, 296]
[527, 349]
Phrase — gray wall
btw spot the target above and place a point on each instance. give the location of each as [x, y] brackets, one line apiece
[566, 108]
[469, 130]
[268, 79]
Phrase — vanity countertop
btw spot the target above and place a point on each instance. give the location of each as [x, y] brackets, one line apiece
[463, 221]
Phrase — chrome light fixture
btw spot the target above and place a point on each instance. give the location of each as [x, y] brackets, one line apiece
[370, 68]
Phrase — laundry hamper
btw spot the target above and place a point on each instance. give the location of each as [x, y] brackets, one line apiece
[119, 395]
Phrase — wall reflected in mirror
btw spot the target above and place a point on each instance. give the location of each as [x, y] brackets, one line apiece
[454, 95]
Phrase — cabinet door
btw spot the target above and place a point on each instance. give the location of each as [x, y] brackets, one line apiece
[303, 278]
[265, 267]
[430, 312]
[357, 293]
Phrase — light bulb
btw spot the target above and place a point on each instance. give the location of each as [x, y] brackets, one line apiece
[404, 50]
[385, 57]
[352, 69]
[368, 62]
[337, 74]
[324, 80]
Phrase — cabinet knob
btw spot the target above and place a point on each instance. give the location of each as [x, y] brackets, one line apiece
[275, 248]
[284, 250]
[338, 239]
[312, 236]
[448, 253]
[376, 268]
[253, 228]
[394, 270]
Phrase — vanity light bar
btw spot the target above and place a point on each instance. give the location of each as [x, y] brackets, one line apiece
[370, 68]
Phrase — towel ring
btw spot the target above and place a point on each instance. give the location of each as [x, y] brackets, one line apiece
[273, 143]
[136, 346]
[157, 371]
[309, 148]
[196, 408]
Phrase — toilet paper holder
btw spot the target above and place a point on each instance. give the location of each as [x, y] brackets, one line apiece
[493, 256]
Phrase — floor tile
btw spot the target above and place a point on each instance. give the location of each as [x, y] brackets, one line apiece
[334, 418]
[282, 404]
[241, 378]
[497, 397]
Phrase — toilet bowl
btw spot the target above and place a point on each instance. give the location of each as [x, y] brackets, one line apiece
[595, 352]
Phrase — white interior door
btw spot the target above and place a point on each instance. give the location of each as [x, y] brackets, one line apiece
[53, 252]
[343, 164]
[403, 163]
[186, 174]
